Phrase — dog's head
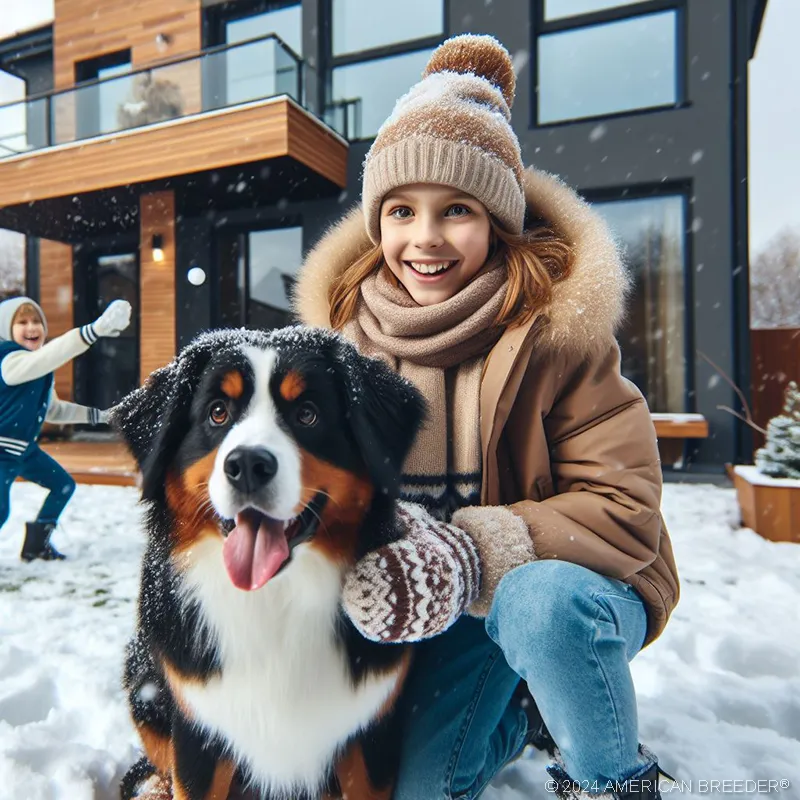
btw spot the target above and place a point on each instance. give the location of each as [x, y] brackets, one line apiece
[269, 441]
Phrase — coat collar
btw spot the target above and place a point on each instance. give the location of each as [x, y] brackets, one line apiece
[586, 309]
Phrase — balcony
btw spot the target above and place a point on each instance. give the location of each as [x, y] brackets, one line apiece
[177, 122]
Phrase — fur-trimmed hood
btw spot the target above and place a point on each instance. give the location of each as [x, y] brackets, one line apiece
[586, 308]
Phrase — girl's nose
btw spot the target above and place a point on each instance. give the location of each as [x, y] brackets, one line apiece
[427, 234]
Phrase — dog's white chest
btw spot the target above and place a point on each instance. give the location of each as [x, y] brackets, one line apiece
[284, 700]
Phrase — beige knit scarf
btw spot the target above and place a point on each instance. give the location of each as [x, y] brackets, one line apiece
[441, 350]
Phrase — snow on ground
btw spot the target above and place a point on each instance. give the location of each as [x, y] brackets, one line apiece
[719, 692]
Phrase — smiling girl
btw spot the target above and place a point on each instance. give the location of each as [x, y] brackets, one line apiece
[532, 494]
[28, 399]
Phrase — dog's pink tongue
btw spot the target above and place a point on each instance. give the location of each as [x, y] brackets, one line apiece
[254, 550]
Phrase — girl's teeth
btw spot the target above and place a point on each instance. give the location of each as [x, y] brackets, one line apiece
[430, 269]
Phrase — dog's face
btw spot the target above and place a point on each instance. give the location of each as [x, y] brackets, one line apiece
[270, 441]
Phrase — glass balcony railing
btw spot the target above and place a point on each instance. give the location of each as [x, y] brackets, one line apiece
[218, 78]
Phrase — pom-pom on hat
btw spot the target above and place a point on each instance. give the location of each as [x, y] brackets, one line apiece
[453, 128]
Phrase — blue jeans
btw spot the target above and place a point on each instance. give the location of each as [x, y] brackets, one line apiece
[36, 466]
[570, 634]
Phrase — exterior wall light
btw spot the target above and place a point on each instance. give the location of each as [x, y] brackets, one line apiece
[158, 247]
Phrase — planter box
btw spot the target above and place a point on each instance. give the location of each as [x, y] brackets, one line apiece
[770, 506]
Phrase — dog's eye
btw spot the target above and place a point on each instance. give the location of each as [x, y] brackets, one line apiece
[218, 413]
[307, 415]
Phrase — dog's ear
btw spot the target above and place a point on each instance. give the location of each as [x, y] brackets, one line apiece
[386, 413]
[154, 418]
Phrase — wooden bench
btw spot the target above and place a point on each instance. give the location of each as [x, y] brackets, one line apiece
[673, 430]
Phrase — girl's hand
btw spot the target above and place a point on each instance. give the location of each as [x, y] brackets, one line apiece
[416, 587]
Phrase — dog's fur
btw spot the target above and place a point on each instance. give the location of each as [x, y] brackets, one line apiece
[270, 690]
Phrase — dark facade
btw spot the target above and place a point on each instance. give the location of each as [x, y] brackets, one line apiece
[642, 106]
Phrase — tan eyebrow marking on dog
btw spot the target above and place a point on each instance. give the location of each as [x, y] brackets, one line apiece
[292, 386]
[233, 385]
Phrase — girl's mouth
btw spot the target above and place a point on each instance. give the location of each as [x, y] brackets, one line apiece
[429, 271]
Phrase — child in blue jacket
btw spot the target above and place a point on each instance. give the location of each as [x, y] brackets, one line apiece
[28, 399]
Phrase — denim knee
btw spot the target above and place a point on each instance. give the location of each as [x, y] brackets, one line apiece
[538, 607]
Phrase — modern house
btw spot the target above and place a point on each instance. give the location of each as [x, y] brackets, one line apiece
[185, 153]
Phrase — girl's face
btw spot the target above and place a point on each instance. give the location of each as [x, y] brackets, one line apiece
[434, 239]
[27, 329]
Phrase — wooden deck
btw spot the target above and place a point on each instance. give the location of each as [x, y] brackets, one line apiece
[106, 463]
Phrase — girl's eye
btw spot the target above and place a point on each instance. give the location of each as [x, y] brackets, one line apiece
[307, 415]
[458, 211]
[218, 413]
[401, 212]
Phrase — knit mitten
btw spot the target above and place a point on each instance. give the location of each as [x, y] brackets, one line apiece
[111, 322]
[416, 587]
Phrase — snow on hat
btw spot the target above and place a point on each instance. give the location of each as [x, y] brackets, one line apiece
[8, 310]
[453, 128]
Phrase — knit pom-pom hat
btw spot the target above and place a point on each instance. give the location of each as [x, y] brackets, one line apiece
[453, 128]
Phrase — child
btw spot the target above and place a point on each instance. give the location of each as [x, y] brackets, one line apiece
[539, 459]
[27, 400]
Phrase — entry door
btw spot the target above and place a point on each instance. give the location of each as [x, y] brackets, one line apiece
[111, 367]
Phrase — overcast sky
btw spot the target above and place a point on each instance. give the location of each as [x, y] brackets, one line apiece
[774, 111]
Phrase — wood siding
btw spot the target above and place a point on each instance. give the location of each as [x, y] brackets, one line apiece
[775, 360]
[56, 299]
[211, 141]
[157, 329]
[87, 29]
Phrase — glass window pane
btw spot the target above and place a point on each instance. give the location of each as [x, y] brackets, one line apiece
[653, 339]
[365, 24]
[13, 126]
[274, 259]
[605, 69]
[557, 9]
[378, 84]
[284, 22]
[112, 95]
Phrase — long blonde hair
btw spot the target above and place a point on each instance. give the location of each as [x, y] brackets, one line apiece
[536, 260]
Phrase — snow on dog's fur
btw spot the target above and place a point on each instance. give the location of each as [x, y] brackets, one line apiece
[270, 463]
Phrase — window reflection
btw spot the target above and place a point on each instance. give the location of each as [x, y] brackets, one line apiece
[366, 24]
[378, 83]
[653, 339]
[557, 9]
[274, 259]
[609, 68]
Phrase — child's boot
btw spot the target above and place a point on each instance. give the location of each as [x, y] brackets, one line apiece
[37, 543]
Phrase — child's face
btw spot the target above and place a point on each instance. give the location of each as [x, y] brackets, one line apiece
[434, 239]
[27, 329]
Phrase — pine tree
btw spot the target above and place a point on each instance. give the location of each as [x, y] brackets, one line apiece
[780, 456]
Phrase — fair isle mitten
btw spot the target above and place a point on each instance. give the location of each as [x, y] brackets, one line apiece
[416, 587]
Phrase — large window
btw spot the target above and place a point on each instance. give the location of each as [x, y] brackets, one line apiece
[558, 9]
[607, 63]
[651, 231]
[101, 104]
[367, 24]
[379, 49]
[257, 270]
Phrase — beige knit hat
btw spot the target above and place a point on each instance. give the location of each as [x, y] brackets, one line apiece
[453, 128]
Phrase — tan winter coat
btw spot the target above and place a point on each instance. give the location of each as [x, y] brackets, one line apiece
[568, 444]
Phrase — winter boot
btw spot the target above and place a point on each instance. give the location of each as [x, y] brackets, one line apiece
[642, 786]
[537, 736]
[37, 543]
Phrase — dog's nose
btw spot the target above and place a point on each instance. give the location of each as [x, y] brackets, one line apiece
[250, 468]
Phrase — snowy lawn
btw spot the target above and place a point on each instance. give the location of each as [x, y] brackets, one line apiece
[719, 692]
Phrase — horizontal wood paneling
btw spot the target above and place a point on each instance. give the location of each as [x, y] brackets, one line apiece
[157, 330]
[87, 29]
[235, 136]
[55, 297]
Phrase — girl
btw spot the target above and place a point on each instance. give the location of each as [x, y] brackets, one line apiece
[539, 461]
[27, 399]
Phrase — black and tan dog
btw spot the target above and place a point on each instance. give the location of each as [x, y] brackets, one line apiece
[270, 464]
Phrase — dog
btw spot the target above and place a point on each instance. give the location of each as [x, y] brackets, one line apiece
[270, 464]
